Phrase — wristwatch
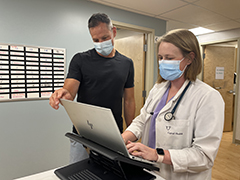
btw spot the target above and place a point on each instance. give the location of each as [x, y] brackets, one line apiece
[160, 153]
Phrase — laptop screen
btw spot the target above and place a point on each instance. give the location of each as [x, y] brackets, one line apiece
[96, 124]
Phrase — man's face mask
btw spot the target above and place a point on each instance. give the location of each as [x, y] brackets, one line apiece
[104, 48]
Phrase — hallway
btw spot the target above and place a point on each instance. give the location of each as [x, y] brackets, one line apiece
[227, 163]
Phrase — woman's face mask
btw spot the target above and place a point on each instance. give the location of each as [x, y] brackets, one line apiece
[170, 69]
[104, 48]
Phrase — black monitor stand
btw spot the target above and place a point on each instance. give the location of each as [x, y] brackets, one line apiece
[104, 164]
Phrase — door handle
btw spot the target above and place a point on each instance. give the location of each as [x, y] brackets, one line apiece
[231, 92]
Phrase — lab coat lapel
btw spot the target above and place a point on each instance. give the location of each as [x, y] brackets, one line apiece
[171, 103]
[156, 98]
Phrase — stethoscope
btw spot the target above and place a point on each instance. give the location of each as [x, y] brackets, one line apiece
[169, 115]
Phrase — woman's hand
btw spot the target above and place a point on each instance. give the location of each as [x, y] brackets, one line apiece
[128, 135]
[138, 149]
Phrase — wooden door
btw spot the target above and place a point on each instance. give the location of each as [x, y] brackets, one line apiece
[220, 60]
[132, 47]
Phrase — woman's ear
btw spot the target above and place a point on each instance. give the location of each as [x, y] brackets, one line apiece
[191, 57]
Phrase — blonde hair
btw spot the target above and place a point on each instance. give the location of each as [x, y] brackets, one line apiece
[187, 42]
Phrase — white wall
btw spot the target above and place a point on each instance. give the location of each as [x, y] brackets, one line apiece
[228, 36]
[31, 132]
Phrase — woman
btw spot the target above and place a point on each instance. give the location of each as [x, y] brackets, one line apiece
[184, 142]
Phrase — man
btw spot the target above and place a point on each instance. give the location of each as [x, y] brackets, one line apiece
[100, 76]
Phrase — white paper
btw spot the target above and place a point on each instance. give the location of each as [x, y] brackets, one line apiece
[219, 74]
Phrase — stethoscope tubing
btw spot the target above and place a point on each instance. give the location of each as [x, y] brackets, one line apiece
[170, 115]
[176, 105]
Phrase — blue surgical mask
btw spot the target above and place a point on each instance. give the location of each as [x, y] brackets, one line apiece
[170, 69]
[104, 48]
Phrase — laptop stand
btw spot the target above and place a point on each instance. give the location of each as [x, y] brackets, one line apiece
[104, 164]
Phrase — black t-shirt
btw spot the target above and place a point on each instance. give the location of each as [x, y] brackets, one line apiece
[102, 80]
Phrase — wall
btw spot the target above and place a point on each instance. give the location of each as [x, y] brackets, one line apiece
[227, 36]
[31, 132]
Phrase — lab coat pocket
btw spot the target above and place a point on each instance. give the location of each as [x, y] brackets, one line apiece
[176, 133]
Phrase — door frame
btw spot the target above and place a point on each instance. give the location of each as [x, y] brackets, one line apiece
[149, 68]
[236, 104]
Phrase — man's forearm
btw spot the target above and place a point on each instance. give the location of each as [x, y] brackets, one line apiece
[129, 111]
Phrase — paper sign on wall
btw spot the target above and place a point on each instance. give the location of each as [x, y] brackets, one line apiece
[219, 74]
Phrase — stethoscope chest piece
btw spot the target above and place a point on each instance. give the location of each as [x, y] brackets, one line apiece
[168, 116]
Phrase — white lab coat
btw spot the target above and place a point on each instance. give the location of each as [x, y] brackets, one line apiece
[193, 137]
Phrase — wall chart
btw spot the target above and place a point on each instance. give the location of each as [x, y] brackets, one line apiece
[28, 72]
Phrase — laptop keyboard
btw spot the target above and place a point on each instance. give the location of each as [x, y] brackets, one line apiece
[142, 160]
[84, 175]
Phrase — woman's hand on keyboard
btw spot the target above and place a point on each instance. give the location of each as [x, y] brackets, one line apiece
[138, 149]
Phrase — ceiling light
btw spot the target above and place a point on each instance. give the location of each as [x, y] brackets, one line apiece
[200, 30]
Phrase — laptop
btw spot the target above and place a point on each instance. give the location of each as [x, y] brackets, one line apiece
[98, 125]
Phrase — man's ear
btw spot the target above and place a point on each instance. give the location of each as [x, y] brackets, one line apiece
[114, 29]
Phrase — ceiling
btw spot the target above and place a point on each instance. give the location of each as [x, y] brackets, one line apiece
[217, 15]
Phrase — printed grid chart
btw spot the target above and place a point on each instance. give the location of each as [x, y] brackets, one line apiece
[28, 72]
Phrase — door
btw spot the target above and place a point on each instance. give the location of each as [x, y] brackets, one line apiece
[130, 44]
[219, 69]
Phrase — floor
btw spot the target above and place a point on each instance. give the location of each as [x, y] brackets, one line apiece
[227, 162]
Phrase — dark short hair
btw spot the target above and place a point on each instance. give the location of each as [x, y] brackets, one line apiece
[187, 42]
[98, 18]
